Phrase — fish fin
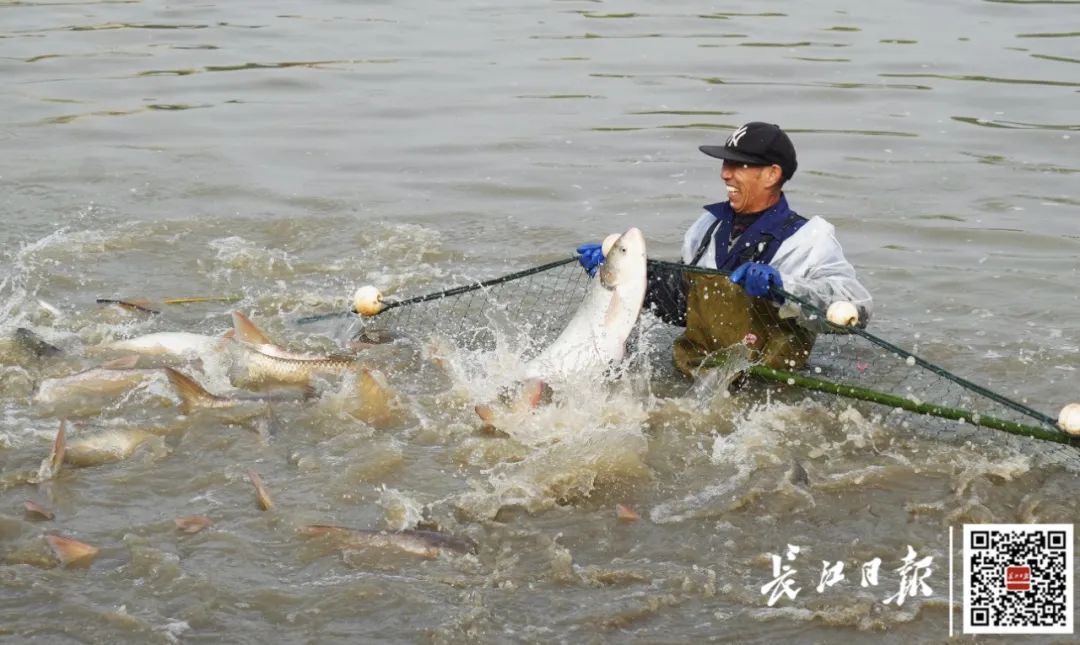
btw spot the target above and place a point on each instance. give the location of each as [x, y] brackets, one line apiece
[55, 461]
[262, 496]
[56, 457]
[122, 363]
[71, 552]
[37, 511]
[245, 331]
[191, 393]
[35, 344]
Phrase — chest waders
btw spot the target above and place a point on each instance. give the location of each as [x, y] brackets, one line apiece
[720, 315]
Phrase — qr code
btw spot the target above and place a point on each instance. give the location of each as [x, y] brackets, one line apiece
[1018, 578]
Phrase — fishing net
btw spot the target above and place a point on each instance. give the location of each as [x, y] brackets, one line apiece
[845, 361]
[533, 304]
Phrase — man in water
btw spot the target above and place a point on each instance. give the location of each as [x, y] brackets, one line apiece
[756, 237]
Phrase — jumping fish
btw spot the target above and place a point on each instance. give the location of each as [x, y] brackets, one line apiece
[259, 361]
[178, 344]
[106, 446]
[110, 379]
[425, 544]
[596, 335]
[194, 396]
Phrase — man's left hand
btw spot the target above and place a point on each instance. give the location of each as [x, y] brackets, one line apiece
[756, 279]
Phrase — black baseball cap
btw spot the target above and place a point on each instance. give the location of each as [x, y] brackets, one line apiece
[758, 143]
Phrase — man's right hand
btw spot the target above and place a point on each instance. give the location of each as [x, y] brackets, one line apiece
[590, 256]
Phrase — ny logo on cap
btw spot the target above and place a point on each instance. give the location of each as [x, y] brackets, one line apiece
[733, 140]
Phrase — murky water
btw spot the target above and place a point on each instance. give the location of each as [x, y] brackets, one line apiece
[281, 154]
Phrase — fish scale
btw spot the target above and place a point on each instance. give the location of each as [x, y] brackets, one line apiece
[254, 367]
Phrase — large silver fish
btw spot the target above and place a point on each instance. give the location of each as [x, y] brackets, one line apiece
[596, 335]
[105, 446]
[175, 344]
[108, 381]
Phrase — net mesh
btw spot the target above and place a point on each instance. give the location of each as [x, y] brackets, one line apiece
[537, 303]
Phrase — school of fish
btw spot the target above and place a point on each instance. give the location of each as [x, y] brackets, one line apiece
[263, 373]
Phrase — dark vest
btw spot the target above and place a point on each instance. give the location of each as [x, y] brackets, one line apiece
[758, 243]
[720, 315]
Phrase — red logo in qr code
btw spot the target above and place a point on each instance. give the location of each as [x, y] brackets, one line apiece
[1018, 578]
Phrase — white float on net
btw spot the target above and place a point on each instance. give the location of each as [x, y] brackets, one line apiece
[1069, 419]
[367, 301]
[843, 313]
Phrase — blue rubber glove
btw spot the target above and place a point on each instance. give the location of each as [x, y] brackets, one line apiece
[756, 278]
[590, 256]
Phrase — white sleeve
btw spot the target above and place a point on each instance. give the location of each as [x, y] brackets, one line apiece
[692, 242]
[812, 266]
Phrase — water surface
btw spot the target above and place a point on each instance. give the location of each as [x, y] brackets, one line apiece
[283, 154]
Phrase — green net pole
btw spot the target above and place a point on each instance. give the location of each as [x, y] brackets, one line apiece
[894, 401]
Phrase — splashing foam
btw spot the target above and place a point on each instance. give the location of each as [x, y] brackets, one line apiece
[560, 473]
[400, 511]
[762, 446]
[238, 254]
[592, 433]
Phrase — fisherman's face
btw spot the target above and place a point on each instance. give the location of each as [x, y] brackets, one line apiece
[749, 186]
